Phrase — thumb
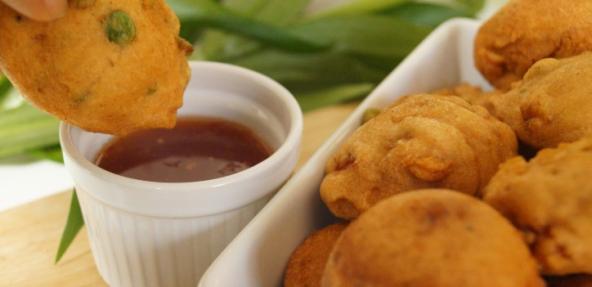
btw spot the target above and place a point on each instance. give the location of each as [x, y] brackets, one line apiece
[40, 10]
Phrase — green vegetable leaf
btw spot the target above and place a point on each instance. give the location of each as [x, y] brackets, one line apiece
[25, 128]
[357, 7]
[52, 153]
[4, 87]
[218, 45]
[281, 12]
[374, 35]
[472, 7]
[305, 72]
[74, 223]
[333, 95]
[246, 7]
[276, 12]
[365, 49]
[425, 14]
[207, 13]
[21, 114]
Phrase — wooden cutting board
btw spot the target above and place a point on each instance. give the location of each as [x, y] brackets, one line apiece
[29, 234]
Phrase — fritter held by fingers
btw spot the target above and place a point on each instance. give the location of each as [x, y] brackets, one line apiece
[525, 31]
[307, 263]
[431, 238]
[551, 105]
[106, 66]
[422, 141]
[550, 199]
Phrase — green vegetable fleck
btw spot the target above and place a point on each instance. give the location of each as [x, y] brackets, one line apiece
[370, 114]
[120, 28]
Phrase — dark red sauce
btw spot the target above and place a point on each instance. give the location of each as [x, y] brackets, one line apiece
[196, 149]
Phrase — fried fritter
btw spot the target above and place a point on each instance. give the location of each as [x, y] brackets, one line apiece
[472, 94]
[422, 141]
[525, 31]
[550, 199]
[106, 66]
[307, 263]
[431, 238]
[551, 105]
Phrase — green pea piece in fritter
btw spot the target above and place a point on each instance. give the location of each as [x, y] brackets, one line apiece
[81, 3]
[120, 28]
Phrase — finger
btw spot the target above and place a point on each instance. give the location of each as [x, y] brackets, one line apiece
[40, 10]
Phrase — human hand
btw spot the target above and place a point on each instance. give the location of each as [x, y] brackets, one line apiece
[40, 10]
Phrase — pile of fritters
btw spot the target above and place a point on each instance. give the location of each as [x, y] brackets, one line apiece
[435, 189]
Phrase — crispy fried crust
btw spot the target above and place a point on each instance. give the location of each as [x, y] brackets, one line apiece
[80, 71]
[431, 238]
[422, 141]
[525, 31]
[308, 261]
[551, 105]
[472, 94]
[549, 198]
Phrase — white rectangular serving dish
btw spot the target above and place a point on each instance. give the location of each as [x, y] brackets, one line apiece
[258, 255]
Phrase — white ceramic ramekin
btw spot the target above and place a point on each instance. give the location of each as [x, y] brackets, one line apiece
[166, 234]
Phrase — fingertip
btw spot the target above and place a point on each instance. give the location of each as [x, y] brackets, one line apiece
[39, 10]
[55, 9]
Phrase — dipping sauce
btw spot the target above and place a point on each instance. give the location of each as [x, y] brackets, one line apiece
[198, 148]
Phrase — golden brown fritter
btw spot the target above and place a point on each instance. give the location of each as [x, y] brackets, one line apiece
[423, 141]
[472, 94]
[550, 199]
[106, 66]
[307, 263]
[525, 31]
[463, 90]
[551, 105]
[431, 238]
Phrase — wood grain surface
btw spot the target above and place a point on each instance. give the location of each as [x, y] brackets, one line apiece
[29, 234]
